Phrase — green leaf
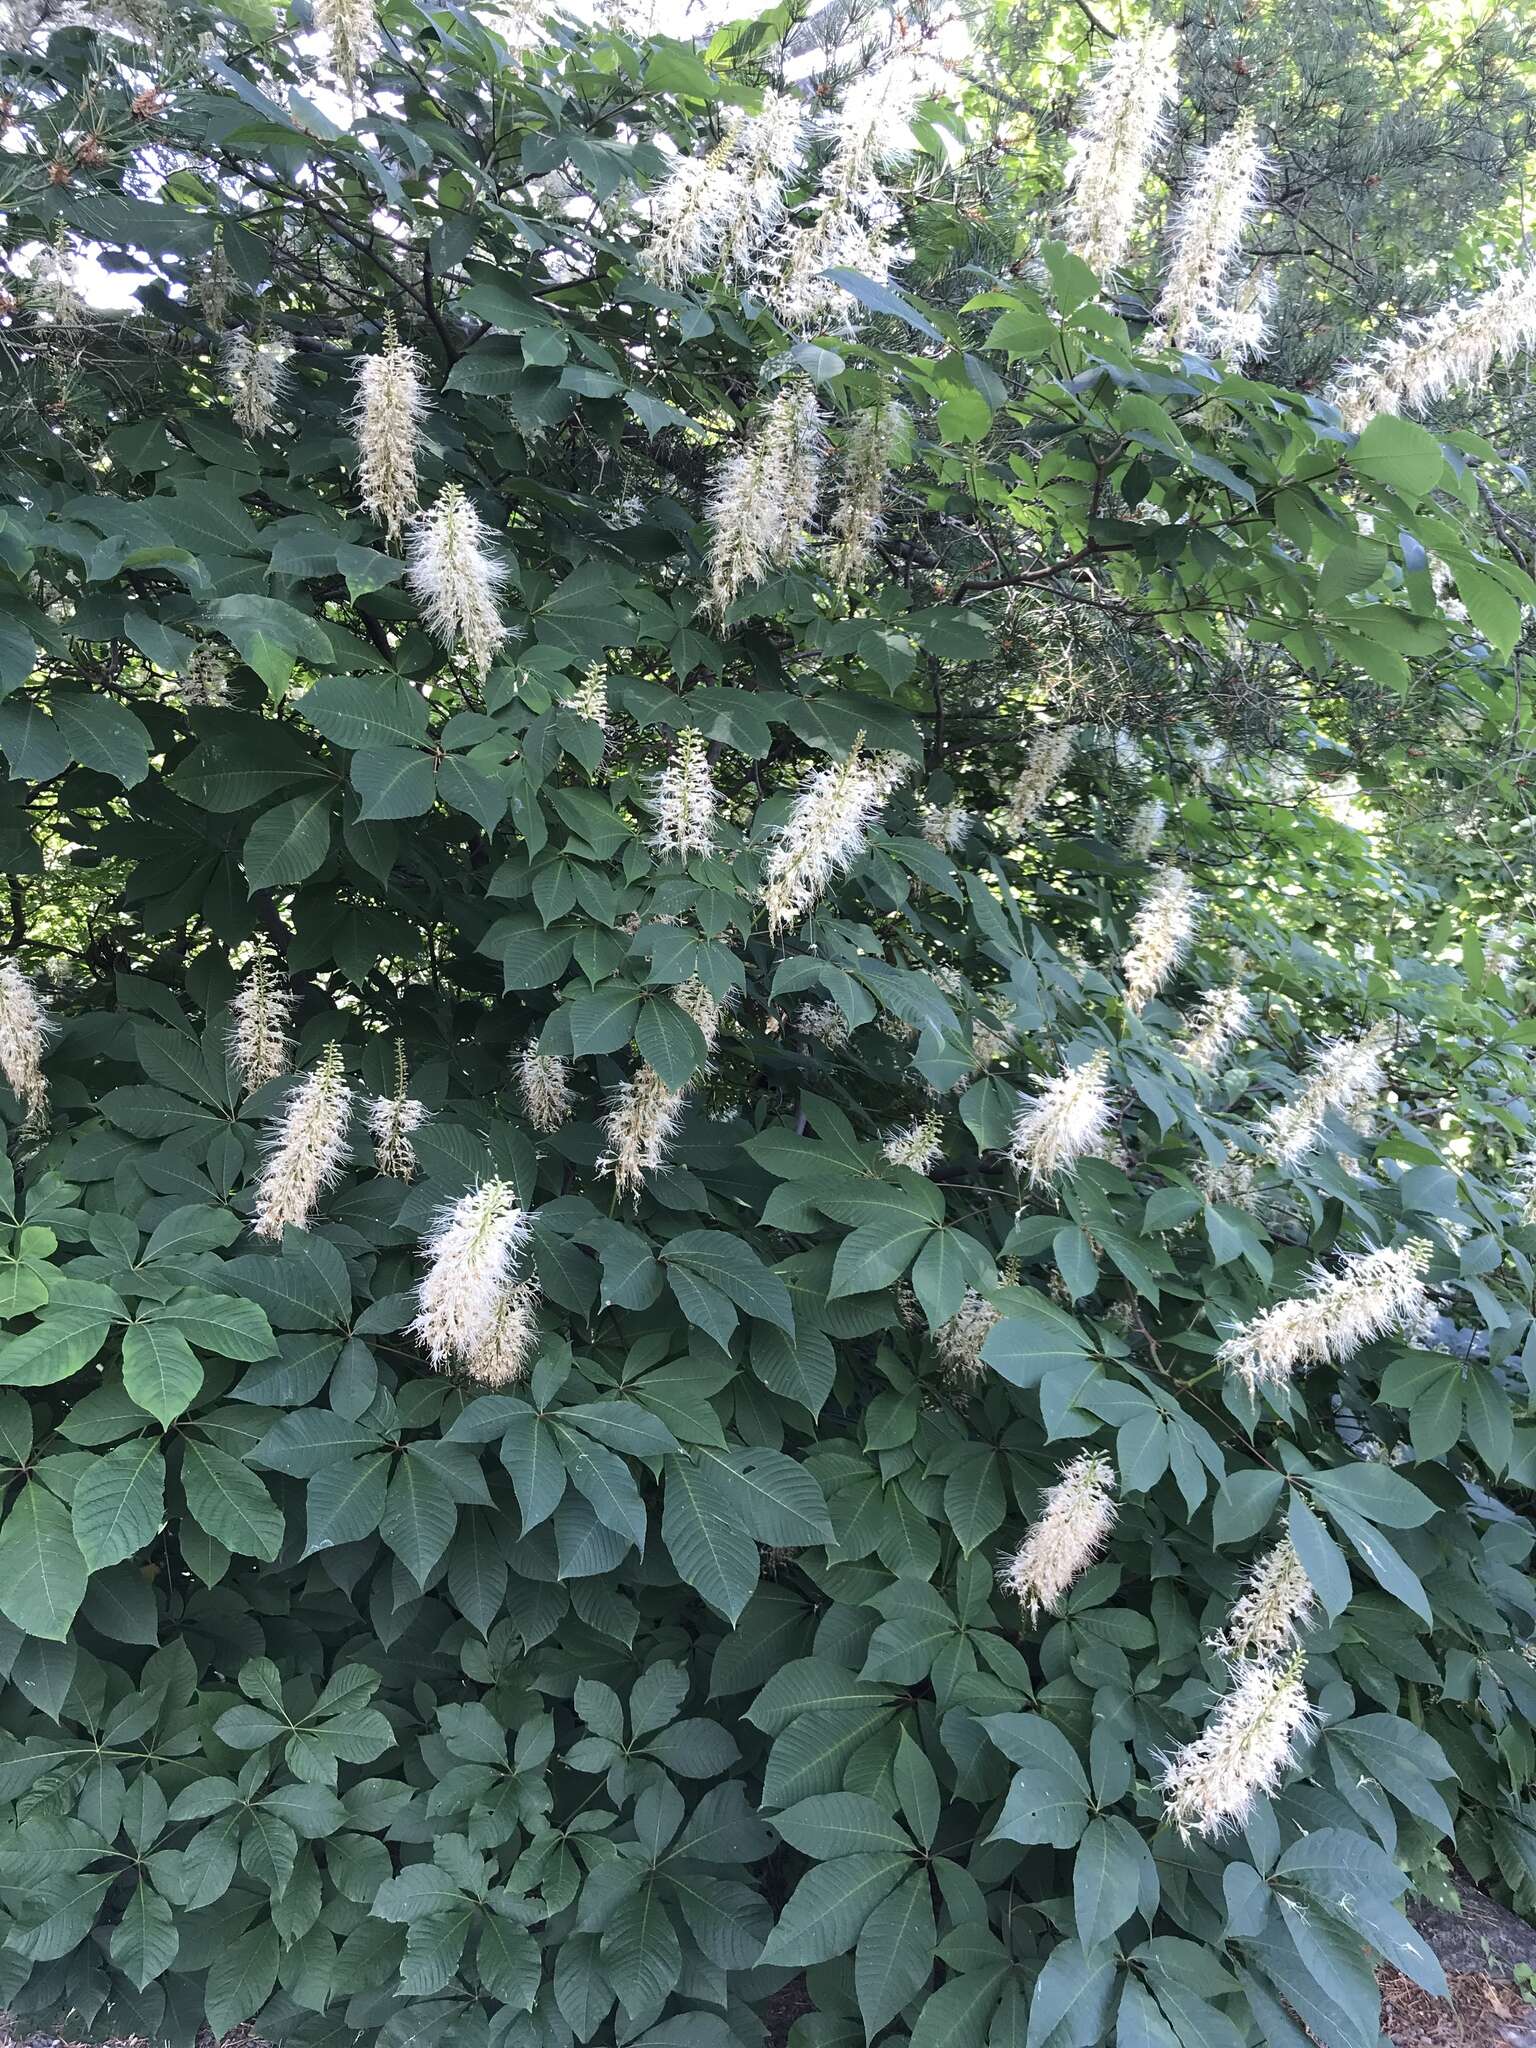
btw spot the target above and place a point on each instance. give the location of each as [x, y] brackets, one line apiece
[1106, 1878]
[841, 1824]
[726, 1263]
[670, 1041]
[230, 1502]
[393, 782]
[1374, 1491]
[145, 1942]
[102, 734]
[241, 1977]
[288, 843]
[362, 712]
[772, 1497]
[63, 1342]
[706, 1542]
[894, 1959]
[119, 1504]
[1394, 451]
[419, 1516]
[829, 1906]
[160, 1373]
[42, 1574]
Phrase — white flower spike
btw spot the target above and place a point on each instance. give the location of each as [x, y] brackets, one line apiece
[306, 1149]
[454, 578]
[25, 1029]
[1242, 1754]
[1071, 1529]
[1068, 1120]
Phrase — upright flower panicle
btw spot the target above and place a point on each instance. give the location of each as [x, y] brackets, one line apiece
[1454, 350]
[258, 1023]
[769, 150]
[352, 30]
[946, 826]
[25, 1029]
[1146, 828]
[718, 211]
[824, 1022]
[689, 213]
[959, 1341]
[1221, 1017]
[1124, 122]
[643, 1116]
[1346, 1076]
[391, 1120]
[1044, 765]
[256, 373]
[1071, 1529]
[1274, 1607]
[386, 419]
[455, 580]
[870, 448]
[503, 1358]
[765, 493]
[1219, 202]
[915, 1145]
[471, 1250]
[823, 836]
[991, 1042]
[1243, 1752]
[1376, 1292]
[203, 684]
[852, 217]
[544, 1088]
[1162, 932]
[685, 800]
[1067, 1120]
[306, 1149]
[589, 698]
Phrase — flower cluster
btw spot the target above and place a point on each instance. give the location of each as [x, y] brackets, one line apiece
[1161, 932]
[959, 1341]
[391, 1120]
[386, 420]
[455, 579]
[765, 494]
[1221, 199]
[542, 1083]
[256, 374]
[718, 211]
[24, 1033]
[352, 31]
[1221, 1017]
[946, 826]
[306, 1149]
[915, 1145]
[1346, 1076]
[1066, 1121]
[1146, 828]
[1071, 1529]
[258, 1023]
[645, 1112]
[471, 1310]
[1376, 1292]
[1454, 350]
[685, 800]
[204, 683]
[1044, 765]
[870, 449]
[825, 832]
[1244, 1750]
[1124, 121]
[1274, 1607]
[852, 217]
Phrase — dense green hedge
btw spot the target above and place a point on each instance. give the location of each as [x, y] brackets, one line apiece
[769, 1062]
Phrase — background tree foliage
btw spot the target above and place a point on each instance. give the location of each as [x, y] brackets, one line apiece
[366, 1703]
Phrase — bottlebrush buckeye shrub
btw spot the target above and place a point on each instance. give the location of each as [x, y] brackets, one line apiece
[627, 1371]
